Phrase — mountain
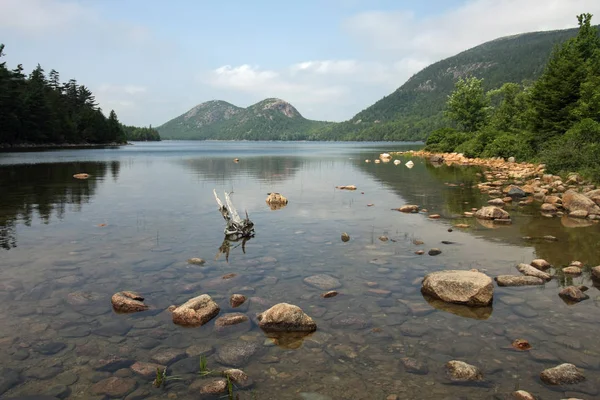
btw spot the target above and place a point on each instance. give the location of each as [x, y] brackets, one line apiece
[270, 119]
[416, 108]
[409, 113]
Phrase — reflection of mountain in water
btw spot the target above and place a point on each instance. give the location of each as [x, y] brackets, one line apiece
[269, 169]
[46, 189]
[433, 187]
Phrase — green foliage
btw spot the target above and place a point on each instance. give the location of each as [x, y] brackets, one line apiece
[38, 110]
[507, 144]
[445, 140]
[556, 98]
[204, 366]
[555, 121]
[416, 108]
[468, 104]
[136, 134]
[577, 150]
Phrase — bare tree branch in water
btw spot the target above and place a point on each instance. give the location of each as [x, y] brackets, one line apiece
[237, 229]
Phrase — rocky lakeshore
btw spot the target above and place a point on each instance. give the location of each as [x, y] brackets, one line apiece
[357, 291]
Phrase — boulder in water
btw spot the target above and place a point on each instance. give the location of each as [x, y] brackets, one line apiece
[470, 288]
[284, 317]
[196, 312]
[127, 302]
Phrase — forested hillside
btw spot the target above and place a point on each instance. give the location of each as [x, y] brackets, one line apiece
[270, 119]
[39, 109]
[416, 108]
[554, 120]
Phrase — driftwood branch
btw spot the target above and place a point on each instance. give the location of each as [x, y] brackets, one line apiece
[236, 229]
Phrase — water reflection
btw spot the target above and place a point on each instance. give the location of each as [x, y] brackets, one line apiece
[42, 191]
[267, 169]
[451, 190]
[480, 313]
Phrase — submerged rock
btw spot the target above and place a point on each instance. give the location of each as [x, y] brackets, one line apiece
[459, 287]
[114, 387]
[518, 280]
[459, 371]
[196, 261]
[146, 370]
[195, 312]
[233, 322]
[284, 317]
[209, 386]
[236, 354]
[238, 377]
[529, 270]
[127, 302]
[414, 366]
[492, 213]
[563, 374]
[323, 282]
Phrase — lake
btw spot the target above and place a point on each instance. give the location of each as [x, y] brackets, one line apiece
[67, 245]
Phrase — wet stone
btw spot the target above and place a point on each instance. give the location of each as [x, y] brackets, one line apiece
[197, 350]
[20, 355]
[66, 378]
[414, 366]
[190, 365]
[563, 374]
[111, 364]
[114, 387]
[236, 354]
[59, 391]
[168, 357]
[49, 348]
[117, 328]
[8, 379]
[43, 372]
[323, 282]
[138, 394]
[350, 321]
[524, 311]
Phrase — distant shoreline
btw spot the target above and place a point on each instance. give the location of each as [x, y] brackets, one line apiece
[5, 147]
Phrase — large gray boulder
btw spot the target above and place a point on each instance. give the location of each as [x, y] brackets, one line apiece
[470, 288]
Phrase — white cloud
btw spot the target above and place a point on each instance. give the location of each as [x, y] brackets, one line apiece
[36, 16]
[269, 83]
[429, 39]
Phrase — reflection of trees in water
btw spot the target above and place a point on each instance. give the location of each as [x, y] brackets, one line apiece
[47, 189]
[271, 169]
[425, 185]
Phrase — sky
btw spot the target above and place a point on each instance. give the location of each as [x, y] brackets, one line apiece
[152, 60]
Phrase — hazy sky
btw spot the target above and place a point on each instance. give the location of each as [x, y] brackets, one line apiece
[152, 60]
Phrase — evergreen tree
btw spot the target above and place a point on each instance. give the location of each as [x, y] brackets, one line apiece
[555, 97]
